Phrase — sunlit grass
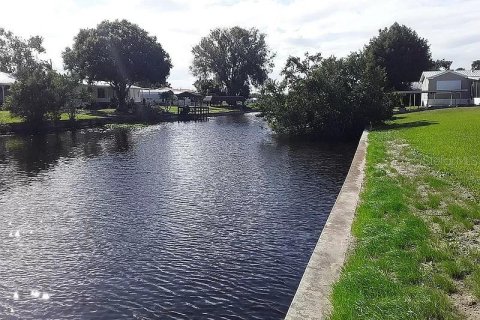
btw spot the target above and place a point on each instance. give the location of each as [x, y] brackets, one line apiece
[79, 116]
[409, 252]
[7, 118]
[108, 111]
[449, 139]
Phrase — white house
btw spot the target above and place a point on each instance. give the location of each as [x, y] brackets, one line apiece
[6, 81]
[450, 88]
[103, 93]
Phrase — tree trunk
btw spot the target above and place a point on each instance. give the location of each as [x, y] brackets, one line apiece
[121, 93]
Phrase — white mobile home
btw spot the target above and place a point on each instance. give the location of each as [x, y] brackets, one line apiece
[103, 93]
[6, 81]
[450, 88]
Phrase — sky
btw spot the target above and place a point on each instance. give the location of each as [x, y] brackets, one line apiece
[293, 27]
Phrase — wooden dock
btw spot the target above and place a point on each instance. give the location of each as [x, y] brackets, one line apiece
[193, 112]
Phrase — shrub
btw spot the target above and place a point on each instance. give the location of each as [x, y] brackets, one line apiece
[328, 98]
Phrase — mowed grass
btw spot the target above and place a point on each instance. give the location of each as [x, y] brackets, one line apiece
[382, 277]
[107, 111]
[415, 236]
[449, 140]
[79, 116]
[7, 118]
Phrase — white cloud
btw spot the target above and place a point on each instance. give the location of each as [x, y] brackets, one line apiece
[292, 26]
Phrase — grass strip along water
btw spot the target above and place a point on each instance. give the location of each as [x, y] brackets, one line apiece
[416, 247]
[7, 118]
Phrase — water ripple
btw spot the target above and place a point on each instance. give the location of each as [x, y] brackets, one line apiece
[209, 220]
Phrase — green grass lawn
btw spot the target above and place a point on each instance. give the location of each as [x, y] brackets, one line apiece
[79, 116]
[214, 110]
[449, 139]
[107, 111]
[7, 118]
[416, 230]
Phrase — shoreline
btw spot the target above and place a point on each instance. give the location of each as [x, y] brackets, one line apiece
[312, 298]
[66, 125]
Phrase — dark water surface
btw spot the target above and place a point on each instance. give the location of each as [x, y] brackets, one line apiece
[208, 220]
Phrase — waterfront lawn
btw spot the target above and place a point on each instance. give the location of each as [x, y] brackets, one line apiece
[107, 111]
[416, 253]
[214, 110]
[79, 116]
[7, 118]
[449, 140]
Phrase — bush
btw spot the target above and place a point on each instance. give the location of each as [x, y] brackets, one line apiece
[327, 98]
[42, 94]
[31, 97]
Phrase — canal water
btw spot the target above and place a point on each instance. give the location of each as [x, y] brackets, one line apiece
[198, 220]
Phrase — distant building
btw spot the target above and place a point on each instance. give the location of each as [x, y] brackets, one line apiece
[167, 96]
[224, 100]
[103, 94]
[450, 88]
[6, 81]
[187, 97]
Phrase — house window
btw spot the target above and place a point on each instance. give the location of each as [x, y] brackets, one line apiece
[449, 85]
[101, 93]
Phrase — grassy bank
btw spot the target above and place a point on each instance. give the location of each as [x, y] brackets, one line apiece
[416, 253]
[7, 118]
[449, 140]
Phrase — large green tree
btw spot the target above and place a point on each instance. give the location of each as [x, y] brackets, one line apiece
[207, 87]
[19, 56]
[119, 52]
[42, 94]
[39, 92]
[326, 98]
[402, 53]
[476, 65]
[233, 58]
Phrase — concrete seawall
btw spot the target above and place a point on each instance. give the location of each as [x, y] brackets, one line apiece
[311, 301]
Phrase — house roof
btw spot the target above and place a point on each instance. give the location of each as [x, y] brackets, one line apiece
[471, 74]
[6, 79]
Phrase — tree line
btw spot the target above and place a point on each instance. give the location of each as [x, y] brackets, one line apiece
[227, 62]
